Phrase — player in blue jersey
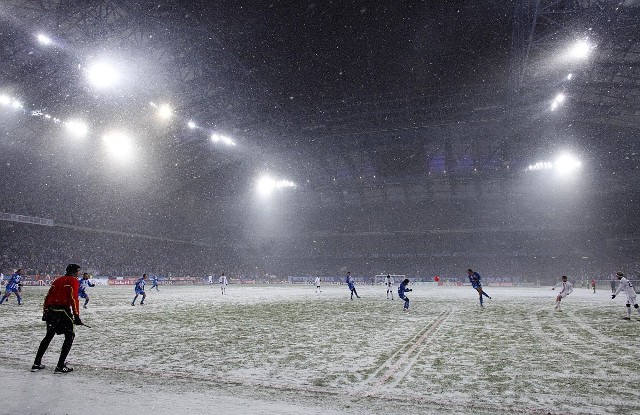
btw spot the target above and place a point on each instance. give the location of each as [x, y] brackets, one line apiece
[351, 285]
[403, 289]
[474, 279]
[13, 286]
[154, 283]
[84, 283]
[139, 288]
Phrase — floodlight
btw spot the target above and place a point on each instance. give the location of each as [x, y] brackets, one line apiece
[118, 145]
[44, 39]
[191, 125]
[164, 111]
[102, 75]
[5, 100]
[559, 99]
[76, 128]
[266, 185]
[580, 49]
[16, 104]
[541, 165]
[216, 138]
[285, 183]
[566, 163]
[569, 77]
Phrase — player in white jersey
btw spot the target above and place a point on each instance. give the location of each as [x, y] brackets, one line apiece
[627, 287]
[388, 281]
[223, 283]
[566, 288]
[318, 290]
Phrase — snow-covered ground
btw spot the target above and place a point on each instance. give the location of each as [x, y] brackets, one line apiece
[288, 350]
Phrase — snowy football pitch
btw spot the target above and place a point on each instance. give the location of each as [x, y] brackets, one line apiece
[286, 349]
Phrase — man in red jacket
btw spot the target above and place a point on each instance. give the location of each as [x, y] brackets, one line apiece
[61, 312]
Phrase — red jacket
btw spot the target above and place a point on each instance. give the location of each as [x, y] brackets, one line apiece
[64, 292]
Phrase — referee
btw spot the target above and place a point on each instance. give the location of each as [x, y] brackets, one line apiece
[61, 312]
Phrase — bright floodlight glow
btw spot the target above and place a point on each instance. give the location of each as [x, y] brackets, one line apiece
[5, 100]
[44, 39]
[16, 104]
[217, 138]
[118, 145]
[164, 111]
[285, 183]
[580, 49]
[266, 185]
[191, 125]
[566, 163]
[559, 99]
[541, 165]
[76, 128]
[569, 77]
[102, 75]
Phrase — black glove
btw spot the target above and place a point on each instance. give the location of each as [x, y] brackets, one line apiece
[410, 289]
[613, 296]
[77, 321]
[44, 314]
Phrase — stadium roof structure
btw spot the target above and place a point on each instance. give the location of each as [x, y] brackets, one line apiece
[334, 96]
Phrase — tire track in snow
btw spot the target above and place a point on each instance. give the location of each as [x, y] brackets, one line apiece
[599, 336]
[401, 362]
[543, 335]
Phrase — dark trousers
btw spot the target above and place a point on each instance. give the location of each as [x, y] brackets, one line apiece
[59, 321]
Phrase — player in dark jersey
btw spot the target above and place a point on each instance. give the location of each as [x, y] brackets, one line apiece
[139, 288]
[352, 285]
[154, 283]
[474, 279]
[403, 289]
[13, 286]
